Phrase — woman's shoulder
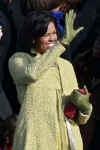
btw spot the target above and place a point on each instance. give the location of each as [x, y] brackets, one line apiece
[65, 61]
[19, 59]
[20, 55]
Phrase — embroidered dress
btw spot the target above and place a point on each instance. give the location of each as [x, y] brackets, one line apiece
[41, 82]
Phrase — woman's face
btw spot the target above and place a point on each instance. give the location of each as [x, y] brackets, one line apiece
[48, 39]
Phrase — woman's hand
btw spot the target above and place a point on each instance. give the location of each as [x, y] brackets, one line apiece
[81, 101]
[70, 32]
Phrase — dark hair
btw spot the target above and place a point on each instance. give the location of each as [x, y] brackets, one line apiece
[35, 25]
[66, 5]
[30, 5]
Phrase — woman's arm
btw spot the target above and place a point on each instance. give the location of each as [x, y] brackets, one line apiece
[82, 107]
[24, 68]
[21, 69]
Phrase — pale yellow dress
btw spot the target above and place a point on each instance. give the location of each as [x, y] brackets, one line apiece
[41, 83]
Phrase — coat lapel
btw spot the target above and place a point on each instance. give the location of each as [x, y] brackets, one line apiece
[67, 76]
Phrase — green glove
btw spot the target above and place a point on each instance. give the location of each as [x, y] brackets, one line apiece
[81, 101]
[70, 32]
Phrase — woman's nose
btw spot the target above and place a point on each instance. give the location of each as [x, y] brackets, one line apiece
[53, 37]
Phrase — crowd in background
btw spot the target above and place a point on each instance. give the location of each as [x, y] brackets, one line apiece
[7, 129]
[84, 53]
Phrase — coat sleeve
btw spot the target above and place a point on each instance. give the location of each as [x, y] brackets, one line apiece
[83, 118]
[80, 118]
[24, 70]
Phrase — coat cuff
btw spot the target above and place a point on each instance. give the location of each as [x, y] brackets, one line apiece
[83, 118]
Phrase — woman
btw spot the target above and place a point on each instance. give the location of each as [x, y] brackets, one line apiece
[43, 90]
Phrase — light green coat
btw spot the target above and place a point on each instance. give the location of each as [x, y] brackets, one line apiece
[41, 83]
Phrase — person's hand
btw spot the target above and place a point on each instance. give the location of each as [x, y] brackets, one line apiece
[81, 101]
[70, 32]
[1, 33]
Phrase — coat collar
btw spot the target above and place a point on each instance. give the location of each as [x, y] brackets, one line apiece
[34, 52]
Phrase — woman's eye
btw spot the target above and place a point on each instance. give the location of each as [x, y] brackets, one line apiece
[49, 34]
